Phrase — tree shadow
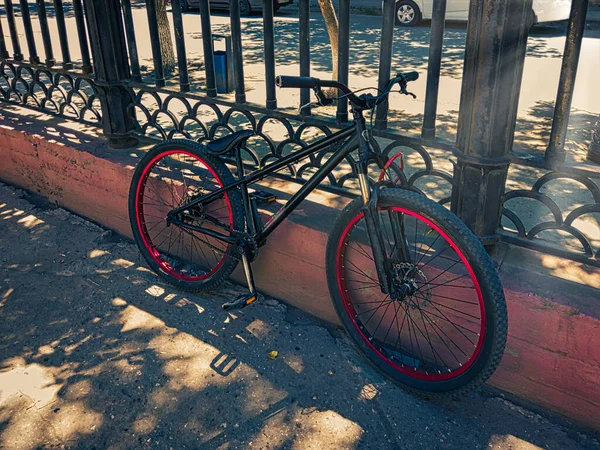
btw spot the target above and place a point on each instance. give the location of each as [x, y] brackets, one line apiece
[50, 9]
[105, 355]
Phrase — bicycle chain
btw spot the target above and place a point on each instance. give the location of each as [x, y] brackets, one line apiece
[232, 253]
[232, 250]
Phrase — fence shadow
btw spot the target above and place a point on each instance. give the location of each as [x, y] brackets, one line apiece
[121, 360]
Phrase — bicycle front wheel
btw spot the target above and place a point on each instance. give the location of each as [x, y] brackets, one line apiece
[444, 329]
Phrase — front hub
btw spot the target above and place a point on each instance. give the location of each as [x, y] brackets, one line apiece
[411, 285]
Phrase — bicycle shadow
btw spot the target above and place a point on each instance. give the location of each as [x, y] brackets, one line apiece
[124, 360]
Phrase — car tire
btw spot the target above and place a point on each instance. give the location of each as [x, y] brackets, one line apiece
[185, 6]
[408, 13]
[533, 20]
[245, 8]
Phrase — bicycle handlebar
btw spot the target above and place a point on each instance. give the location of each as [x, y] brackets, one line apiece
[285, 81]
[409, 76]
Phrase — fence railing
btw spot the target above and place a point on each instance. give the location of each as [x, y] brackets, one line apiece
[129, 96]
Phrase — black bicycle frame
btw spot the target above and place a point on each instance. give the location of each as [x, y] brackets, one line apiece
[352, 143]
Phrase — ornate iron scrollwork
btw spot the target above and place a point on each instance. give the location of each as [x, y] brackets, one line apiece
[583, 200]
[55, 92]
[164, 116]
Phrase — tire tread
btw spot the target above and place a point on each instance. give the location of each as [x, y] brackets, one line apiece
[223, 273]
[482, 265]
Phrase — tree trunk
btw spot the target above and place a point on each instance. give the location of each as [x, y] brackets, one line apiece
[333, 26]
[164, 33]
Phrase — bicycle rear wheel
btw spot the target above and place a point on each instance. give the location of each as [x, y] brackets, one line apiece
[446, 331]
[171, 174]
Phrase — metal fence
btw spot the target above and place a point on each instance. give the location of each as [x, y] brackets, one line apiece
[112, 89]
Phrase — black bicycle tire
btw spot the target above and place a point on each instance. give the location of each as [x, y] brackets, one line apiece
[230, 263]
[493, 294]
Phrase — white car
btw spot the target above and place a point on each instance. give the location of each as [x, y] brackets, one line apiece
[410, 12]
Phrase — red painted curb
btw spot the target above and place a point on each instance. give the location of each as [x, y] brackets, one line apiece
[552, 356]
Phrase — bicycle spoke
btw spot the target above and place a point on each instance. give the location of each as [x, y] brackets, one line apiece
[436, 277]
[360, 289]
[454, 309]
[433, 350]
[429, 313]
[391, 323]
[410, 335]
[453, 324]
[429, 248]
[360, 272]
[416, 327]
[431, 331]
[456, 299]
[382, 303]
[177, 179]
[436, 327]
[381, 319]
[362, 252]
[400, 328]
[363, 282]
[451, 281]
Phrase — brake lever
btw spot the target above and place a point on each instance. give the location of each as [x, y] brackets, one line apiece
[405, 92]
[322, 100]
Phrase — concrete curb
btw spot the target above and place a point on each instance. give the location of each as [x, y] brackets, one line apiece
[551, 357]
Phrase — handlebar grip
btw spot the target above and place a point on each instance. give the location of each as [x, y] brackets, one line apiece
[284, 81]
[410, 76]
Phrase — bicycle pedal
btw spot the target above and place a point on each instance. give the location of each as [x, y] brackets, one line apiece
[240, 302]
[263, 196]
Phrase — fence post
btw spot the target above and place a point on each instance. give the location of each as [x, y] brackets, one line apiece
[269, 37]
[304, 38]
[494, 58]
[238, 57]
[207, 42]
[343, 58]
[111, 69]
[385, 59]
[555, 153]
[434, 66]
[594, 148]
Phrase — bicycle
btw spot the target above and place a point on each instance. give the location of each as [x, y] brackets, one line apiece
[411, 284]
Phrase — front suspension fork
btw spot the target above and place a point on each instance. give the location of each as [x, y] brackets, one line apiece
[399, 251]
[382, 266]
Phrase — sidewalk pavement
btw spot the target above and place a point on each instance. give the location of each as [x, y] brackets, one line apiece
[96, 352]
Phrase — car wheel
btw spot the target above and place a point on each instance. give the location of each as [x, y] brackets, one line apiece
[245, 9]
[533, 20]
[185, 6]
[408, 13]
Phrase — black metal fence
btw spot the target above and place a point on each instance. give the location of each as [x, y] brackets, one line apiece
[114, 89]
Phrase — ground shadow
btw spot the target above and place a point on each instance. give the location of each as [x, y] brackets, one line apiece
[121, 360]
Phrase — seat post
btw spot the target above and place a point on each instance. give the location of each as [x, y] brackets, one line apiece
[249, 226]
[238, 160]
